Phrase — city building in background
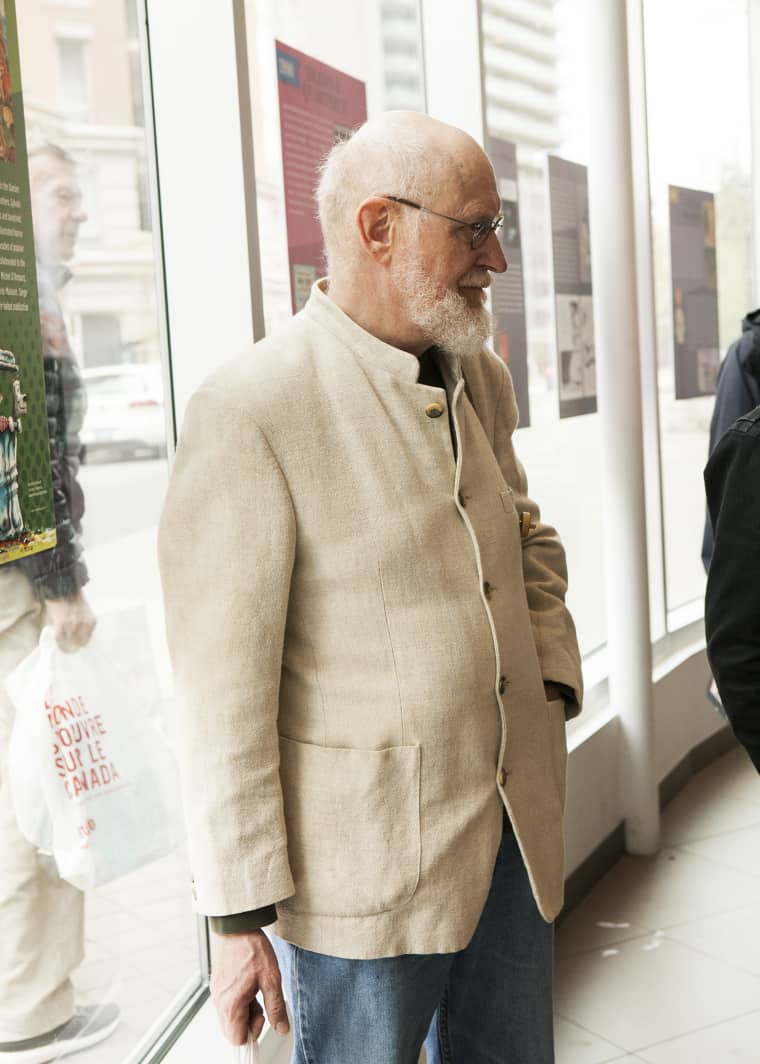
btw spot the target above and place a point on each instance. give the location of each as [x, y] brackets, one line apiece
[404, 81]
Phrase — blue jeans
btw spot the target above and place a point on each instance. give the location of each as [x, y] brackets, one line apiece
[490, 1003]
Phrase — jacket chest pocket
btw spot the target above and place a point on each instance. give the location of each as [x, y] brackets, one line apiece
[353, 827]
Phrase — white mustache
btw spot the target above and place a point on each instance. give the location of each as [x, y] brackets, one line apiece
[476, 279]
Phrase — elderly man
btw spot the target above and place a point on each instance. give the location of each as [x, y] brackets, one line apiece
[370, 641]
[42, 916]
[732, 604]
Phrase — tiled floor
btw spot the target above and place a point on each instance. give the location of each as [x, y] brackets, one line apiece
[661, 962]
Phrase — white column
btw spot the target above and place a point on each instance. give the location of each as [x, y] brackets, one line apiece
[613, 248]
[451, 47]
[753, 40]
[205, 216]
[647, 320]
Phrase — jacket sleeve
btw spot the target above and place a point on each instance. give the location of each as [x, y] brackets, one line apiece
[544, 566]
[732, 604]
[737, 393]
[226, 550]
[61, 571]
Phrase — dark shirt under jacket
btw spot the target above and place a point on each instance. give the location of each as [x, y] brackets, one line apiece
[732, 605]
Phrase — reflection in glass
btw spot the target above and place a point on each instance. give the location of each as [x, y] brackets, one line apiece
[692, 145]
[536, 73]
[378, 43]
[132, 942]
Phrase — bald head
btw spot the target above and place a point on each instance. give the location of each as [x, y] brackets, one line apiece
[401, 153]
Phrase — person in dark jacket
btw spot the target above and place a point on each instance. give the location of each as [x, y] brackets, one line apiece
[42, 916]
[732, 604]
[738, 393]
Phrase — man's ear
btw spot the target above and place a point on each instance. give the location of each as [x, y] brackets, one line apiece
[375, 224]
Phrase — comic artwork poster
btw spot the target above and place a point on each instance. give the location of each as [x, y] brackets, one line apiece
[696, 345]
[318, 106]
[27, 517]
[573, 301]
[508, 298]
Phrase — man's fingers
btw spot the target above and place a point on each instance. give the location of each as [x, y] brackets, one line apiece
[235, 1021]
[274, 1003]
[256, 1020]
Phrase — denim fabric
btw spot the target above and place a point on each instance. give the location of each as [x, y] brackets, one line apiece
[491, 1003]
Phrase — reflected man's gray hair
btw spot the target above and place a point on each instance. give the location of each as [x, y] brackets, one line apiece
[379, 159]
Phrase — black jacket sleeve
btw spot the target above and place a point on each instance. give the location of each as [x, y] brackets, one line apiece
[737, 394]
[732, 606]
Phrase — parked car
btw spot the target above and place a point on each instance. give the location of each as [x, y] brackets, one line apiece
[125, 413]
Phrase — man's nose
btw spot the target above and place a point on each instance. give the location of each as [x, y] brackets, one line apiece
[492, 255]
[77, 212]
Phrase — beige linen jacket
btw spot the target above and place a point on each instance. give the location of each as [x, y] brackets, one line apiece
[360, 637]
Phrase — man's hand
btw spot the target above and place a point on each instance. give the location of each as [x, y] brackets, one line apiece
[73, 621]
[244, 964]
[552, 691]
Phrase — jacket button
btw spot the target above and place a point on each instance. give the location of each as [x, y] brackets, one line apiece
[503, 684]
[501, 779]
[487, 589]
[527, 524]
[434, 409]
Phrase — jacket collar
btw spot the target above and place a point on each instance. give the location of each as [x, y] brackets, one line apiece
[375, 354]
[58, 274]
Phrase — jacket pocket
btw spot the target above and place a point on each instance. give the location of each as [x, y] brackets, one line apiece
[353, 824]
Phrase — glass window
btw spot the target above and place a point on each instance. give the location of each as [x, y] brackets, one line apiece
[378, 43]
[536, 67]
[699, 138]
[133, 940]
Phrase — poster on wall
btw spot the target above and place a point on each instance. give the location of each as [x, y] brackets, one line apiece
[318, 106]
[508, 297]
[696, 345]
[573, 302]
[27, 516]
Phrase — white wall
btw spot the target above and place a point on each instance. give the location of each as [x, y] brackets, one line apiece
[683, 719]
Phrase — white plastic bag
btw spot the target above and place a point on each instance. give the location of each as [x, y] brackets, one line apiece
[92, 780]
[247, 1054]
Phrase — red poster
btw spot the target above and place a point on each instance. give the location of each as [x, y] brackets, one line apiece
[318, 105]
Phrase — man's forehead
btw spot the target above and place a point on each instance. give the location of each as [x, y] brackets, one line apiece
[54, 174]
[476, 193]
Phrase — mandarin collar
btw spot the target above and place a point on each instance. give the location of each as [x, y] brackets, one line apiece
[375, 354]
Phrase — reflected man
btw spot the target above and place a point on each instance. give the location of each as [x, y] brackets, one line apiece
[41, 916]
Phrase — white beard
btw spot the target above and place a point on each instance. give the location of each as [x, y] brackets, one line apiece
[445, 317]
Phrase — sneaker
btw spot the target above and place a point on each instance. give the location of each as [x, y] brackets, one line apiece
[89, 1025]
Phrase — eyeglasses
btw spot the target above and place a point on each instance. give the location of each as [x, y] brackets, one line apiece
[480, 230]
